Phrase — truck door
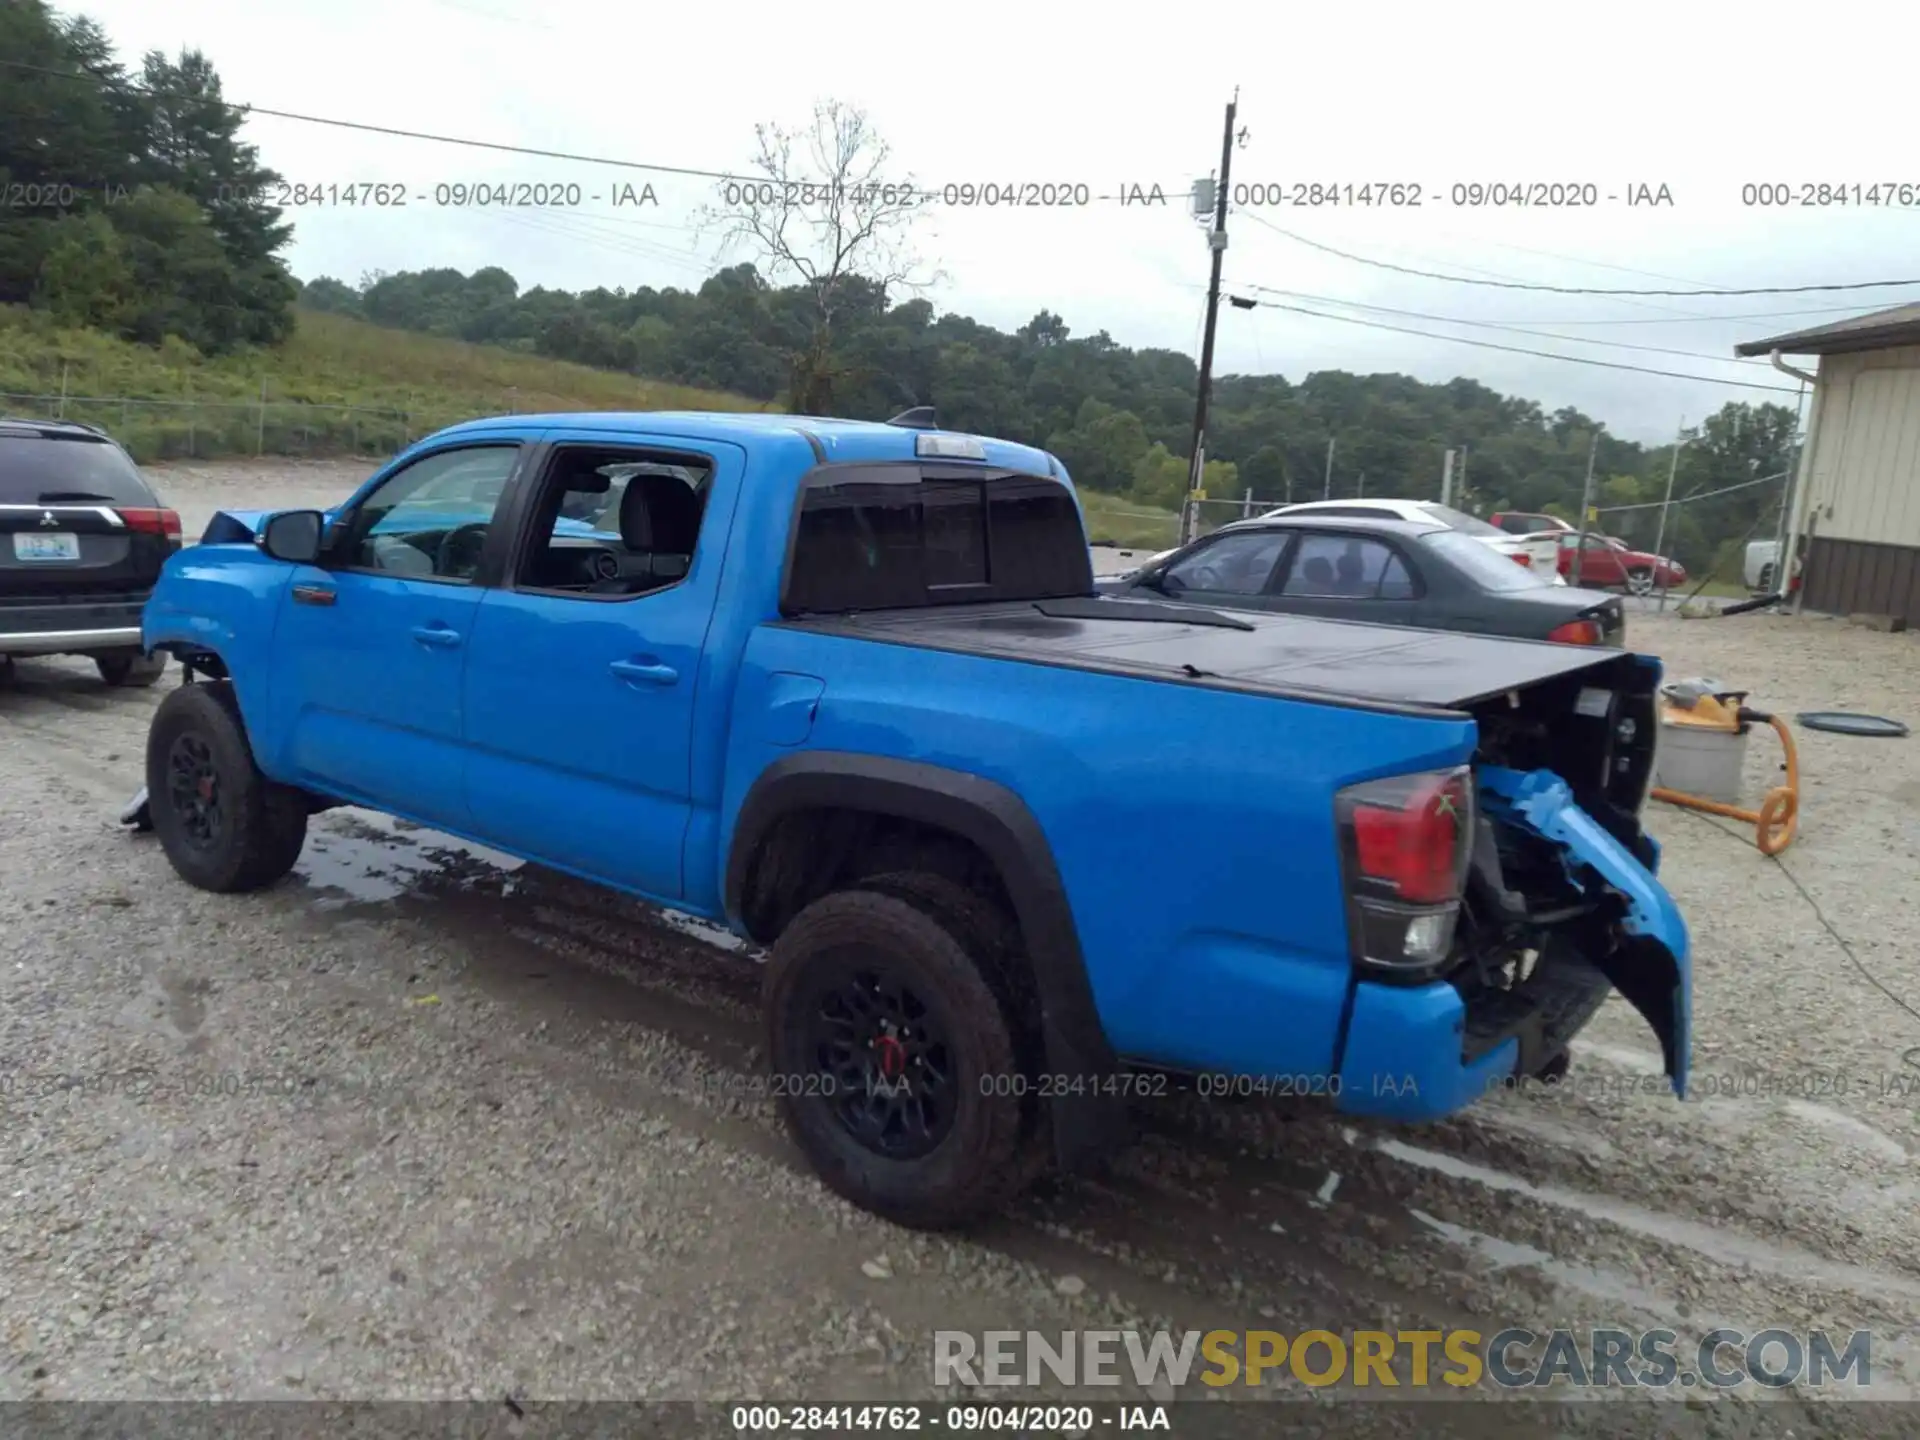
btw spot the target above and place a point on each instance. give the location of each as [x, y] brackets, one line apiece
[585, 669]
[370, 644]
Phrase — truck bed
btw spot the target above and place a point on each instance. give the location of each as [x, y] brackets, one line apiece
[1300, 657]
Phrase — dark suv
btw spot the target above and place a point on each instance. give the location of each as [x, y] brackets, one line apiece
[82, 540]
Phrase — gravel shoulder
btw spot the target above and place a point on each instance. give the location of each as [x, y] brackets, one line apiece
[427, 1123]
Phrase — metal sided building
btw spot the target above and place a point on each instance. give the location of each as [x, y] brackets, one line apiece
[1856, 502]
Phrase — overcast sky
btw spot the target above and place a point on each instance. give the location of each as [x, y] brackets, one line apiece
[1681, 96]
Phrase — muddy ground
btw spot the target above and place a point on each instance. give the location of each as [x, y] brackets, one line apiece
[424, 1122]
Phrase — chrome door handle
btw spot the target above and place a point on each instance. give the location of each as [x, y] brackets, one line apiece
[634, 672]
[438, 636]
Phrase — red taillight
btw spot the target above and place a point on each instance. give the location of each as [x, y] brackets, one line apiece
[1520, 557]
[153, 522]
[1576, 632]
[1411, 835]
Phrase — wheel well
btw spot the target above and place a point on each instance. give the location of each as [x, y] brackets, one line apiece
[812, 852]
[197, 659]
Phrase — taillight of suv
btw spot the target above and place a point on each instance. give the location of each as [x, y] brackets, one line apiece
[1405, 843]
[154, 522]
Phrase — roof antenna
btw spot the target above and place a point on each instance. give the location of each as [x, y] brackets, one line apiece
[918, 418]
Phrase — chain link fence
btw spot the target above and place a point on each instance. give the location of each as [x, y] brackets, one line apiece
[204, 428]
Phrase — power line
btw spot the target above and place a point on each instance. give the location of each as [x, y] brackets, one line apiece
[391, 130]
[1714, 319]
[1666, 310]
[1568, 289]
[650, 167]
[1517, 350]
[1582, 260]
[1703, 495]
[1510, 329]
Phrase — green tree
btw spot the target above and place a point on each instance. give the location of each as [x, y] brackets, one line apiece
[1101, 447]
[160, 164]
[85, 280]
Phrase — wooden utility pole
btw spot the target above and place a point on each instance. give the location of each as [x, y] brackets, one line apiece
[1217, 242]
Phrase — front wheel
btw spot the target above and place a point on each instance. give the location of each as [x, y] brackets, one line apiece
[1639, 582]
[895, 1065]
[225, 826]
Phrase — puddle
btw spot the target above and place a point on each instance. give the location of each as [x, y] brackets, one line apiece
[361, 870]
[1726, 1246]
[1602, 1284]
[708, 933]
[364, 858]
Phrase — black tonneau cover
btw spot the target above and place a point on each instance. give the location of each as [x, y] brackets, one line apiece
[1303, 656]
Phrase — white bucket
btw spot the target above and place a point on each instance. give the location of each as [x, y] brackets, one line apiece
[1698, 761]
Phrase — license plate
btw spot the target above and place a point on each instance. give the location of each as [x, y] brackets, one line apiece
[36, 546]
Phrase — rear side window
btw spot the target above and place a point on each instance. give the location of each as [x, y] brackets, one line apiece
[36, 470]
[1487, 567]
[888, 537]
[1348, 568]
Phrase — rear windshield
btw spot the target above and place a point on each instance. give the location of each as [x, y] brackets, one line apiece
[886, 537]
[1459, 520]
[35, 470]
[1489, 568]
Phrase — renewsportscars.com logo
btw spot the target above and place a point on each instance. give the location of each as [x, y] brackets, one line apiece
[1460, 1359]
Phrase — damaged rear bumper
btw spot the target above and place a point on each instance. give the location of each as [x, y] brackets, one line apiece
[1422, 1052]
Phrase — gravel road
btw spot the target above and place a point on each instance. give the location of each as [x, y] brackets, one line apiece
[424, 1122]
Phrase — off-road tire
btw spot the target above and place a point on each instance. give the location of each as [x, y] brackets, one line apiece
[131, 670]
[264, 824]
[974, 1169]
[993, 939]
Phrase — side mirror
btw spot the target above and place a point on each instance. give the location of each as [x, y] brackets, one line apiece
[293, 536]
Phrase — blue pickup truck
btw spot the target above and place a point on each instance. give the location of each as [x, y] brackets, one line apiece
[1019, 852]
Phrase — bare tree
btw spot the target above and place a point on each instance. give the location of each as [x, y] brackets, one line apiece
[820, 211]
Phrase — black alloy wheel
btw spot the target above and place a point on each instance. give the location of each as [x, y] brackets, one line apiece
[193, 789]
[884, 1055]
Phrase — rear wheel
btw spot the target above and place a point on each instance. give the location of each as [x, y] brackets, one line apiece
[993, 940]
[225, 826]
[130, 668]
[894, 1061]
[1640, 582]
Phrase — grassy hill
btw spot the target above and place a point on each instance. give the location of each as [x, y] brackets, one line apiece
[338, 386]
[342, 386]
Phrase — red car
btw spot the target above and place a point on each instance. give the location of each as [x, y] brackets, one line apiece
[1518, 522]
[1608, 562]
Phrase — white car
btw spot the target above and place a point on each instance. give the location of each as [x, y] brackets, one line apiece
[1539, 553]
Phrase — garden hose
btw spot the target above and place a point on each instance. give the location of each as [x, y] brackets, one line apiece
[1776, 819]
